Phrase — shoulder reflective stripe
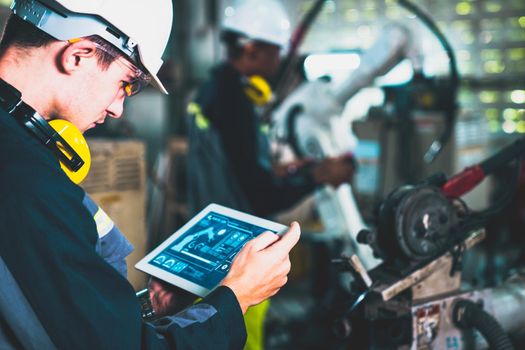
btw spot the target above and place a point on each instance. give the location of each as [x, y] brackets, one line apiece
[265, 129]
[104, 222]
[200, 120]
[193, 108]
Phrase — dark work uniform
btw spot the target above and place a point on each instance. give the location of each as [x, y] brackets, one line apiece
[56, 291]
[229, 156]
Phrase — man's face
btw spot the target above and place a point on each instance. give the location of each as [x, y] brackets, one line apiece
[103, 96]
[98, 92]
[266, 59]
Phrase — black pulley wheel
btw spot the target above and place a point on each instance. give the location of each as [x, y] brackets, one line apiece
[424, 221]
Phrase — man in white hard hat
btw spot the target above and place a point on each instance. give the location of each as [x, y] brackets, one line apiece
[78, 60]
[229, 156]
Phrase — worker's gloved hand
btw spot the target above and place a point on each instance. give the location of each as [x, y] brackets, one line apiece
[261, 267]
[166, 299]
[334, 171]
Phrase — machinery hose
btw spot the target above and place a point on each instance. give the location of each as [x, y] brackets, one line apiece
[467, 314]
[450, 117]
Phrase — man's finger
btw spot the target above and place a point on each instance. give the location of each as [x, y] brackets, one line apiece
[264, 240]
[289, 239]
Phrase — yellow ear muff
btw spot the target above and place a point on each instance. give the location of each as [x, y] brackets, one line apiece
[258, 90]
[76, 140]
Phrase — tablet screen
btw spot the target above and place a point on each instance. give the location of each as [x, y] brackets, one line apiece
[203, 254]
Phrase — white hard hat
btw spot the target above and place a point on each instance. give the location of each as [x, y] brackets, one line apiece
[138, 28]
[264, 20]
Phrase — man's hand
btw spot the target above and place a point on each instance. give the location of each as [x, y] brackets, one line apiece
[334, 171]
[261, 267]
[167, 299]
[291, 168]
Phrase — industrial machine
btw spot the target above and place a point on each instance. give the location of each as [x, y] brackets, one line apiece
[414, 299]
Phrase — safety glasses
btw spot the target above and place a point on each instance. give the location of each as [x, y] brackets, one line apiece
[140, 79]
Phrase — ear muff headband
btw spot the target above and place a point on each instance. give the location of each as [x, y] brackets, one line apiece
[68, 155]
[258, 90]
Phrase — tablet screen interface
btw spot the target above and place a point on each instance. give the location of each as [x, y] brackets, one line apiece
[204, 253]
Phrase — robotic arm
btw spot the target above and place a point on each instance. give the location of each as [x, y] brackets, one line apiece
[309, 120]
[393, 46]
[306, 118]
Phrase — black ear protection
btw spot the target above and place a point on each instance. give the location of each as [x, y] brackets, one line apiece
[36, 125]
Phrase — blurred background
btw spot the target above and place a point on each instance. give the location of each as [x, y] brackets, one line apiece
[139, 177]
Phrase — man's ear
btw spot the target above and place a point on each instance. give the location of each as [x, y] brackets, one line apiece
[77, 55]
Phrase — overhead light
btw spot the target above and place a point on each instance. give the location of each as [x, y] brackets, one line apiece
[517, 96]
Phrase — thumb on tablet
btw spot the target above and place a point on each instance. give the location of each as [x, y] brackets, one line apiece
[289, 239]
[264, 240]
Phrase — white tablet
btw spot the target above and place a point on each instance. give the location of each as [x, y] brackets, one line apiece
[199, 255]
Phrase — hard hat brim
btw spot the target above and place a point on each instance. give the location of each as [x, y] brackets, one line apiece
[155, 81]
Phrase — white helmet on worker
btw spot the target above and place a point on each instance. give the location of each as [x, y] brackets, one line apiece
[139, 29]
[262, 20]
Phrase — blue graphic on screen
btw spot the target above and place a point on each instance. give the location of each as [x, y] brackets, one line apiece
[204, 253]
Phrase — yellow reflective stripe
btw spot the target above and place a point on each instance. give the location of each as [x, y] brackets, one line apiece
[194, 108]
[104, 223]
[265, 129]
[201, 121]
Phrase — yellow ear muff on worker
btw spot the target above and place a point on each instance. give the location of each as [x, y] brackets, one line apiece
[258, 90]
[76, 140]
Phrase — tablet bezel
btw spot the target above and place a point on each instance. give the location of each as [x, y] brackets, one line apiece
[190, 286]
